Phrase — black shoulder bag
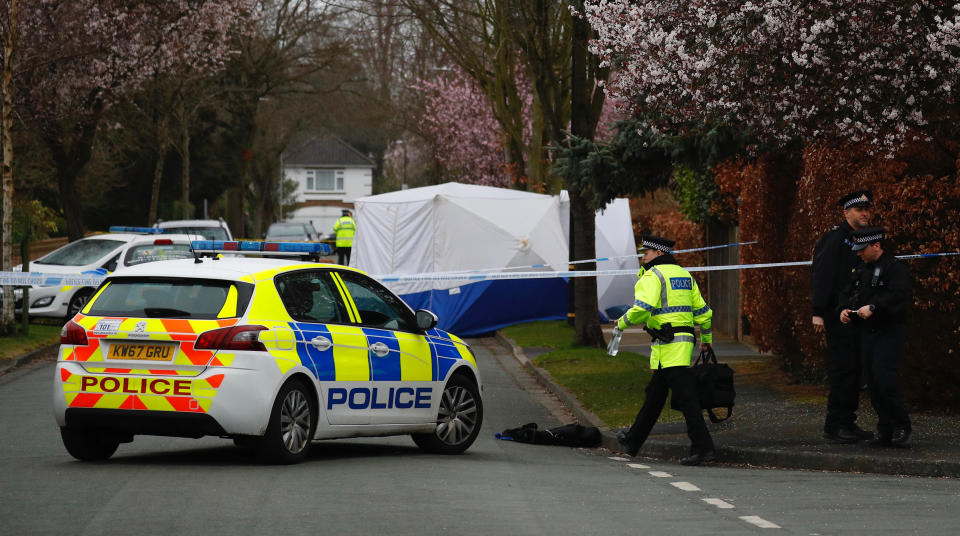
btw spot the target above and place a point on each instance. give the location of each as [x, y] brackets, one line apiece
[714, 384]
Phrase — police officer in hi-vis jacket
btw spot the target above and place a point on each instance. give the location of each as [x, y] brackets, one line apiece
[345, 228]
[669, 303]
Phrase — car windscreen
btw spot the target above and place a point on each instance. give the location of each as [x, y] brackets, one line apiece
[208, 233]
[142, 253]
[287, 230]
[171, 298]
[81, 252]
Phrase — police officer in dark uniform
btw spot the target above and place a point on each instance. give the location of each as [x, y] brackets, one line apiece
[833, 262]
[875, 303]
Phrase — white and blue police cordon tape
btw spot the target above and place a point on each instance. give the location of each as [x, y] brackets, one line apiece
[92, 280]
[598, 259]
[474, 277]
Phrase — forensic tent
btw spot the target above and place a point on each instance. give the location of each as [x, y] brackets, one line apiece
[457, 227]
[616, 245]
[615, 241]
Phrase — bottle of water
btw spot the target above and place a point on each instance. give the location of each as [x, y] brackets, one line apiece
[614, 345]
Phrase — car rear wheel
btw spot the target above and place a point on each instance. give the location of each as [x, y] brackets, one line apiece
[79, 299]
[292, 423]
[458, 421]
[88, 445]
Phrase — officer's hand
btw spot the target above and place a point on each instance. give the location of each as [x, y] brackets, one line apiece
[818, 324]
[845, 316]
[865, 312]
[704, 346]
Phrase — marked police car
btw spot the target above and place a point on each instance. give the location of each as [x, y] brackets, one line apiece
[94, 255]
[154, 248]
[208, 229]
[270, 352]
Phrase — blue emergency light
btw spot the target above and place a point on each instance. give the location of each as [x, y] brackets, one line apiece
[261, 248]
[126, 229]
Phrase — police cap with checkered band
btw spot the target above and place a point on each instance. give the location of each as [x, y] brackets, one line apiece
[656, 242]
[860, 198]
[864, 237]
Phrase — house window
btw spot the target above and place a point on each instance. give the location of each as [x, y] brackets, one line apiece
[324, 180]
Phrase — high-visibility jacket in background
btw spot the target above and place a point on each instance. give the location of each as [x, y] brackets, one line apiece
[666, 293]
[345, 229]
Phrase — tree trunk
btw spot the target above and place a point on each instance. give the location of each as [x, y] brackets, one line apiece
[25, 268]
[69, 201]
[155, 187]
[185, 167]
[7, 126]
[582, 216]
[69, 160]
[587, 320]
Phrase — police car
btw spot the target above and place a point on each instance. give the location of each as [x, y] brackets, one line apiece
[155, 248]
[94, 255]
[272, 353]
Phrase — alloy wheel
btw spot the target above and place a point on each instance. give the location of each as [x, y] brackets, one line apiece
[457, 416]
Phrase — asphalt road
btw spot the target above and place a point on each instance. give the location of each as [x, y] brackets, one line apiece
[387, 486]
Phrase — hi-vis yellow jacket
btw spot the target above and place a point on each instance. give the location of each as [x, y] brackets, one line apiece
[665, 293]
[345, 229]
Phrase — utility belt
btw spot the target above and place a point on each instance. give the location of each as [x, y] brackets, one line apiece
[666, 332]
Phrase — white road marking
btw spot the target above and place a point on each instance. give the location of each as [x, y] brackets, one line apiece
[638, 466]
[685, 486]
[619, 459]
[719, 503]
[760, 522]
[660, 474]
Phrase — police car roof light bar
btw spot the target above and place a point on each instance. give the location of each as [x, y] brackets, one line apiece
[260, 248]
[128, 229]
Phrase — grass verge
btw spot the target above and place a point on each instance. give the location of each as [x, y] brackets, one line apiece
[40, 335]
[610, 387]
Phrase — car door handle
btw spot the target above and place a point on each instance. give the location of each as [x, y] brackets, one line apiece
[321, 343]
[379, 349]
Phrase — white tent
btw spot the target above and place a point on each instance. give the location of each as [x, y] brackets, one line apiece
[615, 239]
[459, 227]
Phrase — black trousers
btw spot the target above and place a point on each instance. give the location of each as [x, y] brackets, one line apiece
[683, 384]
[883, 348]
[844, 373]
[343, 256]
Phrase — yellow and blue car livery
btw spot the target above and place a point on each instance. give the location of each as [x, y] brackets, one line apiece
[242, 348]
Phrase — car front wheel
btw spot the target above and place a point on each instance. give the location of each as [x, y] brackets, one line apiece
[88, 445]
[79, 299]
[458, 421]
[292, 422]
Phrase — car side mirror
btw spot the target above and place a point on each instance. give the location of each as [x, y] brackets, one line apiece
[426, 320]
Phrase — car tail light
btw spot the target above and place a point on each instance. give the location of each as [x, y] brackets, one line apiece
[73, 333]
[231, 338]
[163, 242]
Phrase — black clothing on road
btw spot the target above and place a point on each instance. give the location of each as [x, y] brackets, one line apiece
[884, 284]
[833, 264]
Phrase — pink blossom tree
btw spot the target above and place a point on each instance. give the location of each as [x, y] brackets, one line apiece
[459, 123]
[871, 73]
[79, 57]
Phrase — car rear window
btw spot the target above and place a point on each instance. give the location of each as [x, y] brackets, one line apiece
[171, 298]
[154, 252]
[208, 233]
[81, 252]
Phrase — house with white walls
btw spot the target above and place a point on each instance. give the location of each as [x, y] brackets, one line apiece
[330, 175]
